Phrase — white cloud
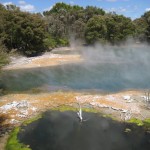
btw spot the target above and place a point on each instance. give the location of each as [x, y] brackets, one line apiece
[22, 2]
[26, 7]
[147, 9]
[126, 9]
[117, 10]
[7, 3]
[49, 8]
[71, 2]
[121, 9]
[23, 6]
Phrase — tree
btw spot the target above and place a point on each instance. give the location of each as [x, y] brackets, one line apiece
[22, 31]
[57, 8]
[96, 29]
[4, 57]
[124, 27]
[146, 16]
[91, 11]
[140, 26]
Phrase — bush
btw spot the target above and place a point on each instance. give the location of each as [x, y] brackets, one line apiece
[50, 42]
[4, 57]
[62, 42]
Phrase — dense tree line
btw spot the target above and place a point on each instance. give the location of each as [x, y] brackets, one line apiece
[92, 24]
[32, 34]
[21, 30]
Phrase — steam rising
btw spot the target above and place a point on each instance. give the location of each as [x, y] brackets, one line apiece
[107, 68]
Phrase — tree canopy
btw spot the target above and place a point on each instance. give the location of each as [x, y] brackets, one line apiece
[31, 34]
[22, 31]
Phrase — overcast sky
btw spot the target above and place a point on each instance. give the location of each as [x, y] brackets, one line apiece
[129, 8]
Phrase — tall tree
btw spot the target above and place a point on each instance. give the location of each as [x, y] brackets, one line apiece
[141, 27]
[146, 16]
[22, 31]
[96, 29]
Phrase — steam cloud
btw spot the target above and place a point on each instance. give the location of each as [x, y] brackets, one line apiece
[105, 67]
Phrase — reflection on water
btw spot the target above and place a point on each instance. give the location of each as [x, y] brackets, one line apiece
[63, 131]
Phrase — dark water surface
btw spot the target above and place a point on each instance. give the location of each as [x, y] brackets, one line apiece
[106, 70]
[63, 131]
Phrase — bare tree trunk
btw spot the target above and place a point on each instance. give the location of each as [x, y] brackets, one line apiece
[147, 97]
[79, 113]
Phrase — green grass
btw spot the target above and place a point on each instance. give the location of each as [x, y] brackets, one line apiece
[69, 108]
[110, 116]
[13, 143]
[32, 120]
[136, 121]
[145, 123]
[64, 108]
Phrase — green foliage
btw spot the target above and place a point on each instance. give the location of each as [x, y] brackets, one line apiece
[22, 31]
[93, 24]
[112, 27]
[145, 123]
[62, 42]
[143, 27]
[50, 42]
[123, 28]
[32, 34]
[146, 16]
[69, 108]
[96, 29]
[62, 7]
[64, 20]
[31, 120]
[91, 11]
[136, 121]
[4, 57]
[13, 143]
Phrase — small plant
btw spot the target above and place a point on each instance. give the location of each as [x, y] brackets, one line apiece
[13, 142]
[136, 121]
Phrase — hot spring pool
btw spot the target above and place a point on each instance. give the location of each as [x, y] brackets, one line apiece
[102, 69]
[63, 131]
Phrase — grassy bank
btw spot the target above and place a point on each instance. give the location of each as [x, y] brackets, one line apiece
[145, 123]
[14, 144]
